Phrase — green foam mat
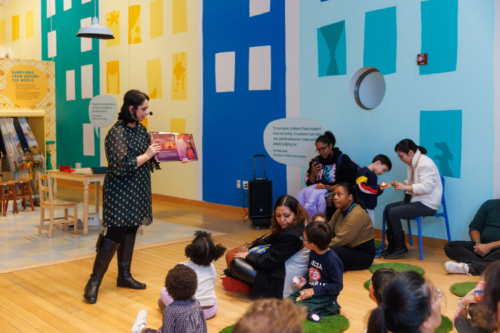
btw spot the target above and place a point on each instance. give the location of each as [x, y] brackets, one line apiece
[461, 289]
[367, 284]
[446, 325]
[398, 267]
[330, 324]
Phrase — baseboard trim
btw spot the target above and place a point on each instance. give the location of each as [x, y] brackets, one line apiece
[426, 241]
[200, 204]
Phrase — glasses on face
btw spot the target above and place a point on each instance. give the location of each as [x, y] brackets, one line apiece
[401, 156]
[438, 295]
[303, 239]
[319, 150]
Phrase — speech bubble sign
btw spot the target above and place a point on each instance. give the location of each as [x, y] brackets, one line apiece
[102, 111]
[291, 140]
[26, 85]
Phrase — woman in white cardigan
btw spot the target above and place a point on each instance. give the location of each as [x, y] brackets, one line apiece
[423, 195]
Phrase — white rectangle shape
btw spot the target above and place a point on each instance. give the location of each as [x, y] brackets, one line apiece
[70, 85]
[85, 1]
[224, 71]
[51, 44]
[67, 4]
[258, 7]
[87, 82]
[86, 43]
[88, 140]
[259, 68]
[51, 8]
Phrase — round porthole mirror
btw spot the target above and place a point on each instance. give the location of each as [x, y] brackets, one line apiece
[368, 88]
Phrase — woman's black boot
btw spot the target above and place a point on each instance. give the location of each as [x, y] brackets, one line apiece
[101, 263]
[390, 243]
[400, 249]
[124, 255]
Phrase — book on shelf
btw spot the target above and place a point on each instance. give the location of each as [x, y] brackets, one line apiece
[174, 146]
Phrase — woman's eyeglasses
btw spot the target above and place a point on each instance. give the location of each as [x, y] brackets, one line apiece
[319, 150]
[303, 239]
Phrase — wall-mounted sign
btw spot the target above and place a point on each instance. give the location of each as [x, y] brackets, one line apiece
[25, 85]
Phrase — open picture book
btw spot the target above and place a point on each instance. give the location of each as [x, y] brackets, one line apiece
[174, 146]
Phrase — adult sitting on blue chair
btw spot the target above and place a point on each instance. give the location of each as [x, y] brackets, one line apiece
[423, 195]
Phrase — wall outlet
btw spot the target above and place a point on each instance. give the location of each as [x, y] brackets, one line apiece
[238, 183]
[94, 220]
[245, 185]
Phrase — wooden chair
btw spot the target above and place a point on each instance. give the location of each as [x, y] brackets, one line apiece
[9, 193]
[48, 202]
[23, 191]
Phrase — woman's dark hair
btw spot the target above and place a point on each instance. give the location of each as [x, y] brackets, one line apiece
[486, 312]
[350, 191]
[328, 138]
[131, 98]
[319, 234]
[293, 204]
[380, 279]
[202, 250]
[181, 282]
[406, 305]
[406, 145]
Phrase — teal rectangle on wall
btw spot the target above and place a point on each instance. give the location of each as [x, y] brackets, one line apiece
[332, 50]
[441, 135]
[439, 35]
[381, 40]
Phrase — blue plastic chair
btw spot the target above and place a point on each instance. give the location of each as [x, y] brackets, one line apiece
[444, 214]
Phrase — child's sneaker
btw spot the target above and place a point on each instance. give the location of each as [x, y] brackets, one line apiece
[231, 284]
[140, 322]
[456, 267]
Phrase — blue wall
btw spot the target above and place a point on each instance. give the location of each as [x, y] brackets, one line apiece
[234, 122]
[459, 77]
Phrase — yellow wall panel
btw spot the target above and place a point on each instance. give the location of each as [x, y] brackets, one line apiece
[179, 16]
[156, 18]
[154, 78]
[113, 24]
[30, 29]
[179, 77]
[15, 27]
[134, 24]
[3, 33]
[178, 125]
[113, 77]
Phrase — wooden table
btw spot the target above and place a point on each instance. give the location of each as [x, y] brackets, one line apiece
[86, 179]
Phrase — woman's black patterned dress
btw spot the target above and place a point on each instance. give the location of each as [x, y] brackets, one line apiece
[127, 189]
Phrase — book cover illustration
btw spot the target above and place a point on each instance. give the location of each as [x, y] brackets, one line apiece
[174, 146]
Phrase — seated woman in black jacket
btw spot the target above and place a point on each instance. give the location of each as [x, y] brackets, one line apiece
[265, 272]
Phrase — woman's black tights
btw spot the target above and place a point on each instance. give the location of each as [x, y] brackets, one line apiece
[117, 234]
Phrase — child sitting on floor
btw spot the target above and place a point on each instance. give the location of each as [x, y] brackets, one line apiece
[202, 251]
[380, 279]
[320, 217]
[184, 314]
[323, 282]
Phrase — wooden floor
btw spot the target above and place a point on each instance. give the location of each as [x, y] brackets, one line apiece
[49, 299]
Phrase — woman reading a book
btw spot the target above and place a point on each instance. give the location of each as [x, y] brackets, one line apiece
[126, 192]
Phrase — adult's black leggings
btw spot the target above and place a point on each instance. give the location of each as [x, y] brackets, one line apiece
[117, 234]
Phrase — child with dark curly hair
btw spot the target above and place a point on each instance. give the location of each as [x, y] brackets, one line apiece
[184, 314]
[202, 251]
